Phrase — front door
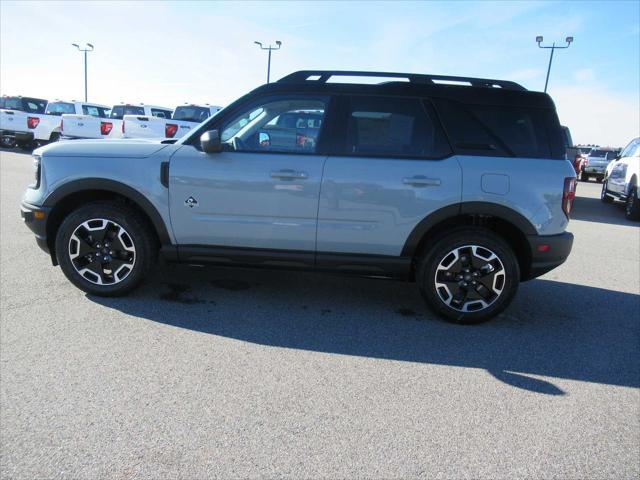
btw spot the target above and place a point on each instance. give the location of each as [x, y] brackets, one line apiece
[262, 190]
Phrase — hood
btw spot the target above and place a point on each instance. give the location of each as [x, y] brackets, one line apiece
[132, 148]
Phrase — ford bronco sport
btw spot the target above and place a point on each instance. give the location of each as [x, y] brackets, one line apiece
[459, 184]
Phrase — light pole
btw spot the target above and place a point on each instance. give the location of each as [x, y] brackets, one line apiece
[553, 48]
[279, 44]
[86, 48]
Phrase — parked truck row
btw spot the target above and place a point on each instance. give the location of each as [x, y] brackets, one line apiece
[29, 122]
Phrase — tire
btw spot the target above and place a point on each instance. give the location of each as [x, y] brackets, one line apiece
[632, 207]
[599, 179]
[604, 196]
[133, 253]
[55, 136]
[441, 297]
[26, 146]
[584, 177]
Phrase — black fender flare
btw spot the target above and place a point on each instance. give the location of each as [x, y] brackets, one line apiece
[89, 184]
[465, 208]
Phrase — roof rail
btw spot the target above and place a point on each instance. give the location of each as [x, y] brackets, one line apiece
[323, 76]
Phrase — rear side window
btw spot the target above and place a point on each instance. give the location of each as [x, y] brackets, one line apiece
[156, 112]
[34, 105]
[388, 126]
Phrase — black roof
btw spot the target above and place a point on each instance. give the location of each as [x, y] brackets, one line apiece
[464, 89]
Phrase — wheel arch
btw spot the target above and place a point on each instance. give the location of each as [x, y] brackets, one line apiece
[67, 197]
[509, 224]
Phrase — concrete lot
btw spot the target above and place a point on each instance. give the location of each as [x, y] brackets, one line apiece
[240, 373]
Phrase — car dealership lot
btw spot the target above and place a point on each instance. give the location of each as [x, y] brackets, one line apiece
[236, 373]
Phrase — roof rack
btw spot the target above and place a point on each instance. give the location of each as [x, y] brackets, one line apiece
[323, 76]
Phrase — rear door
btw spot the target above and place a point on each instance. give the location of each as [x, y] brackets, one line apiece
[392, 168]
[253, 195]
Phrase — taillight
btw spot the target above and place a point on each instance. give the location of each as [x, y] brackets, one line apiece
[170, 130]
[32, 122]
[105, 128]
[568, 195]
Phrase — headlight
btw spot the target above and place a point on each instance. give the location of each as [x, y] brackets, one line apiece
[37, 171]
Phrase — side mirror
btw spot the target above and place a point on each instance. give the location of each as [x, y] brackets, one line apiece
[264, 139]
[210, 142]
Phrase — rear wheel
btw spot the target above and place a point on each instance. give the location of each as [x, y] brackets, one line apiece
[105, 249]
[632, 207]
[469, 275]
[584, 177]
[604, 195]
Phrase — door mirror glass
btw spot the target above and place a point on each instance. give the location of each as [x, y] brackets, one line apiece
[210, 142]
[264, 139]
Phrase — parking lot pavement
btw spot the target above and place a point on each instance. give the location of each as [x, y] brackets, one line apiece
[240, 373]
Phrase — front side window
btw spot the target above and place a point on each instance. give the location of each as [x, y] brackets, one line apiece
[288, 125]
[387, 126]
[59, 108]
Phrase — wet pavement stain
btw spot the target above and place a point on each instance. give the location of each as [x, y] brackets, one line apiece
[230, 284]
[179, 294]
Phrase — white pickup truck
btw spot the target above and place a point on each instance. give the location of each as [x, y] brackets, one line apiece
[14, 113]
[184, 118]
[86, 126]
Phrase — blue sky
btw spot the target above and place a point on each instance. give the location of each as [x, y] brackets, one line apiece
[171, 53]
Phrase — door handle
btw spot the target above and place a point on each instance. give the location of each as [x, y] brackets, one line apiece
[289, 174]
[421, 181]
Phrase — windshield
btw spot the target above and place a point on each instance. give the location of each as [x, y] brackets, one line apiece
[58, 108]
[120, 111]
[191, 114]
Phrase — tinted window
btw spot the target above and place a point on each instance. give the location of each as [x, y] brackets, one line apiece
[31, 105]
[94, 111]
[58, 108]
[156, 112]
[388, 126]
[277, 124]
[120, 111]
[191, 114]
[502, 131]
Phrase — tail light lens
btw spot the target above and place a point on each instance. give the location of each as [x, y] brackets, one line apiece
[170, 130]
[32, 122]
[105, 128]
[568, 195]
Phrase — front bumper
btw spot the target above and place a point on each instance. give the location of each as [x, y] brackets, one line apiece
[35, 218]
[547, 252]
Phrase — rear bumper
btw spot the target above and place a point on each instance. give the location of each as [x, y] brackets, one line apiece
[36, 219]
[17, 136]
[547, 252]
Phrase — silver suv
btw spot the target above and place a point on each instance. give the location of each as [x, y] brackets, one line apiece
[459, 184]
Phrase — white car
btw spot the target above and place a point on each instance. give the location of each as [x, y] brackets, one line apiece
[14, 111]
[622, 178]
[184, 118]
[86, 126]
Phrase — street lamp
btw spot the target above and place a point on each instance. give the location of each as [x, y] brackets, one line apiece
[279, 44]
[552, 47]
[87, 47]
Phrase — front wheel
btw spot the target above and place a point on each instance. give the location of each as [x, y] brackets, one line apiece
[105, 248]
[632, 207]
[469, 275]
[604, 195]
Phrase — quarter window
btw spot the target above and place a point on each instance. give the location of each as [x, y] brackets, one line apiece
[289, 125]
[387, 126]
